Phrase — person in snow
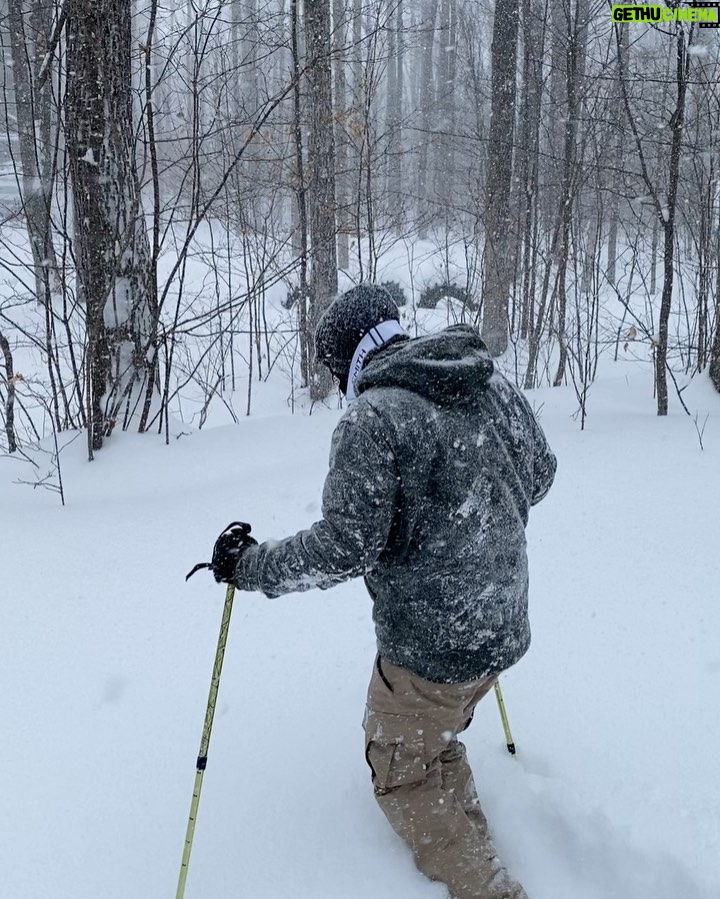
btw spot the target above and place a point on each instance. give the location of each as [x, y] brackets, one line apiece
[433, 468]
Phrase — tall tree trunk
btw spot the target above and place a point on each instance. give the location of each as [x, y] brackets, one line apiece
[559, 13]
[444, 161]
[250, 73]
[323, 252]
[111, 242]
[394, 113]
[341, 140]
[427, 104]
[577, 24]
[619, 141]
[356, 125]
[30, 23]
[529, 158]
[301, 231]
[667, 216]
[715, 349]
[499, 231]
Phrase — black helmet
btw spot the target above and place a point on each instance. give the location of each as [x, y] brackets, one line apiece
[346, 321]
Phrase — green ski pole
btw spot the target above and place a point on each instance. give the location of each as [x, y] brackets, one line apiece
[503, 715]
[205, 741]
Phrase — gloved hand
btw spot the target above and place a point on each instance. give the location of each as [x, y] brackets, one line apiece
[229, 547]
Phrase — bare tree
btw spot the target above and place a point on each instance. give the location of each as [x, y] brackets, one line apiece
[394, 109]
[576, 41]
[322, 174]
[619, 128]
[665, 210]
[426, 98]
[342, 179]
[30, 26]
[715, 349]
[529, 159]
[111, 241]
[499, 229]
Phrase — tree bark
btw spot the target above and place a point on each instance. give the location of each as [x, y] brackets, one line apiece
[715, 349]
[619, 140]
[30, 25]
[321, 188]
[10, 380]
[444, 161]
[427, 103]
[301, 201]
[111, 242]
[341, 140]
[667, 216]
[575, 75]
[394, 113]
[529, 156]
[499, 231]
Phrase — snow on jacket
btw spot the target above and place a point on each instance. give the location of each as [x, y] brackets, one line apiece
[433, 470]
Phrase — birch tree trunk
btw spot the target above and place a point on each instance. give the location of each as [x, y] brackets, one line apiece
[111, 242]
[321, 188]
[30, 24]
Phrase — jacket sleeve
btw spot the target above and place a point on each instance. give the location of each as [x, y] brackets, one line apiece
[544, 464]
[359, 503]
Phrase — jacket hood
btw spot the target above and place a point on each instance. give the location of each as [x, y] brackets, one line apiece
[450, 367]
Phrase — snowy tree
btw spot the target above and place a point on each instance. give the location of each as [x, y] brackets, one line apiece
[29, 24]
[664, 201]
[321, 195]
[569, 170]
[499, 230]
[111, 241]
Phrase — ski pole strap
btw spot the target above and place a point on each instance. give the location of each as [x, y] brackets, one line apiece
[197, 568]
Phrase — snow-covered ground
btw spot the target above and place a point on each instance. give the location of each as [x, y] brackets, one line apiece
[106, 655]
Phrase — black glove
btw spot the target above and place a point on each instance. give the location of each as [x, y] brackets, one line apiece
[229, 547]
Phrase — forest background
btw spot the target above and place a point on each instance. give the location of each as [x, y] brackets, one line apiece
[184, 186]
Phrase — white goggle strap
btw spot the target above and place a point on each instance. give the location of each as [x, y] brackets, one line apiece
[375, 338]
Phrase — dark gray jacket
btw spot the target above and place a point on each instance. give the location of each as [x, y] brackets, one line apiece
[432, 474]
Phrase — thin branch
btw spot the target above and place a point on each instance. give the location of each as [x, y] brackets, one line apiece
[53, 43]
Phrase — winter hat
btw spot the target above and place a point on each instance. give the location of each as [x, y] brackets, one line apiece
[364, 311]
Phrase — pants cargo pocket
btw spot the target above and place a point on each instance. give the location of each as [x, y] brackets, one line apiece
[394, 750]
[379, 758]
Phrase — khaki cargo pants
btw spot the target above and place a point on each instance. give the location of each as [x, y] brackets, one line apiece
[423, 782]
